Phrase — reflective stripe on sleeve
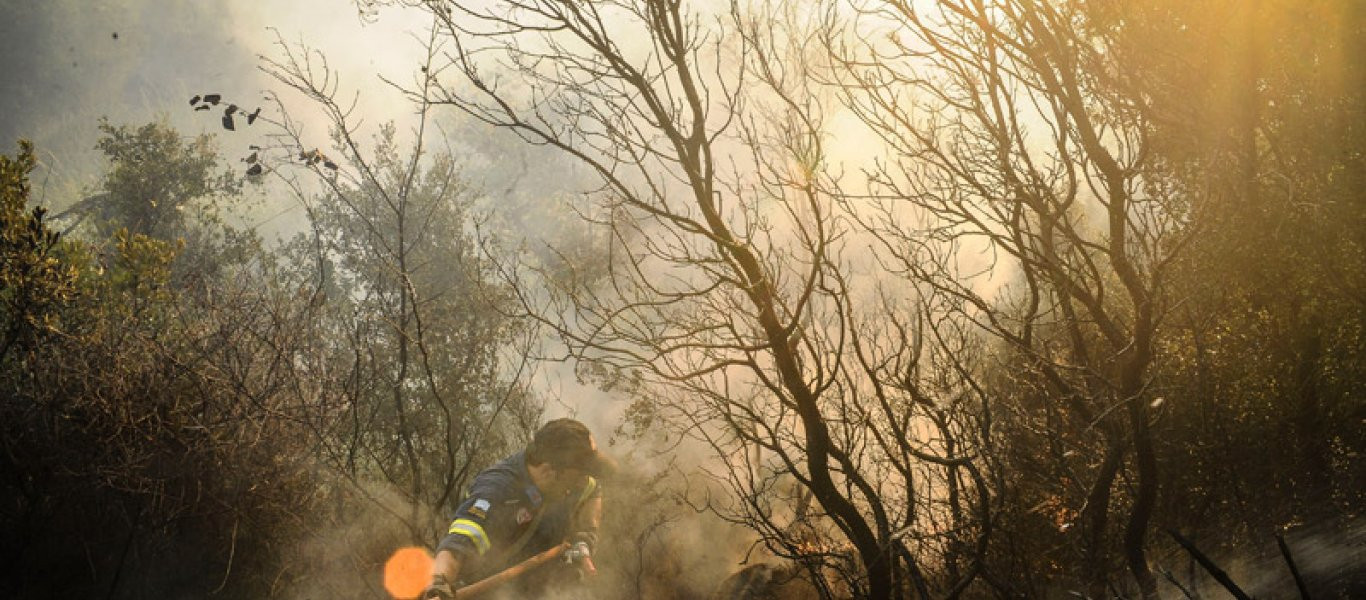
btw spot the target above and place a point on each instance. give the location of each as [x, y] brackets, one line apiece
[474, 532]
[586, 494]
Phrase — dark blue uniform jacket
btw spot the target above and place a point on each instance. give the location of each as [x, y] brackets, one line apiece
[505, 520]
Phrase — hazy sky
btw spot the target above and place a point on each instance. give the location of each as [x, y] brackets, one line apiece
[66, 63]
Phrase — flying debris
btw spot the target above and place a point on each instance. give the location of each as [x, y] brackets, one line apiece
[258, 155]
[208, 100]
[315, 156]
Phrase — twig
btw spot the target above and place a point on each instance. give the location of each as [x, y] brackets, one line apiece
[1214, 570]
[1295, 571]
[1172, 578]
[232, 551]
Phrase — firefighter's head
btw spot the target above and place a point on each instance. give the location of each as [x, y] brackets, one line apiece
[562, 455]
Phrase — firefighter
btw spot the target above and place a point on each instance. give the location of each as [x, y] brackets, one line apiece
[528, 502]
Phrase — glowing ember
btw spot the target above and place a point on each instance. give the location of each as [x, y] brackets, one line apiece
[407, 573]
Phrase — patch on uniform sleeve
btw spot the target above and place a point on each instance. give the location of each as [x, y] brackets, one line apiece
[480, 508]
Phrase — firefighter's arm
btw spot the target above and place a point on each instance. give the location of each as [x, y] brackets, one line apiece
[590, 515]
[588, 512]
[466, 538]
[585, 536]
[445, 572]
[588, 518]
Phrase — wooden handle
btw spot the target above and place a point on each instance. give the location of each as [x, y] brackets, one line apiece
[495, 581]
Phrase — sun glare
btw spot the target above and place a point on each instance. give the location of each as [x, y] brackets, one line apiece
[407, 572]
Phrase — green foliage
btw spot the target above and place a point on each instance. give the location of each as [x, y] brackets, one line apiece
[158, 183]
[190, 400]
[134, 417]
[409, 306]
[34, 279]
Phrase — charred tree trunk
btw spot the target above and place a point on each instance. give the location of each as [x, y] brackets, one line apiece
[1095, 518]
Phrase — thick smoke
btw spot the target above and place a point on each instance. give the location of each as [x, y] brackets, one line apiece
[64, 64]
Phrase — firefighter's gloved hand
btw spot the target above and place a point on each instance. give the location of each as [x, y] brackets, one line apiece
[439, 589]
[580, 552]
[588, 538]
[577, 552]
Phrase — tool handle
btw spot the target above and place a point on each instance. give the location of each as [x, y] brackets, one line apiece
[483, 586]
